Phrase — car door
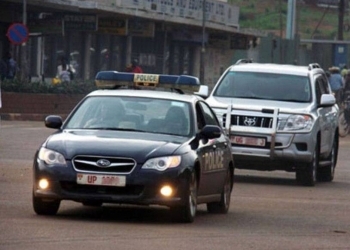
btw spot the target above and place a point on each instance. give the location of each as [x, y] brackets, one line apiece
[326, 116]
[212, 153]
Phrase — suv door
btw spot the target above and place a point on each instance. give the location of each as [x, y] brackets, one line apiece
[325, 114]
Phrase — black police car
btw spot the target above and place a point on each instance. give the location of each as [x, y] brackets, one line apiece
[130, 145]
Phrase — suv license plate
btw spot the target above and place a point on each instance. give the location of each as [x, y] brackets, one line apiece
[101, 180]
[251, 141]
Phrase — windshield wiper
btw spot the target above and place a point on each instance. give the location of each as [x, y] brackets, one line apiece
[117, 129]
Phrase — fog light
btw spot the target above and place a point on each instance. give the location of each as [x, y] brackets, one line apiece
[166, 191]
[43, 184]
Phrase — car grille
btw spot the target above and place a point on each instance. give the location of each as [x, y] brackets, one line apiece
[102, 164]
[251, 121]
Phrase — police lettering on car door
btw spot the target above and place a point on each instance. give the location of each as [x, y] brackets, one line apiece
[213, 160]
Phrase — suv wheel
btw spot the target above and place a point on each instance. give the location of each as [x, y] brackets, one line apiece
[327, 173]
[307, 175]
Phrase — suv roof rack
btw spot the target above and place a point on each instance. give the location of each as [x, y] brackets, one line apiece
[240, 61]
[116, 80]
[314, 66]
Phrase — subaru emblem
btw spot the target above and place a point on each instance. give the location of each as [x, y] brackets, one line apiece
[103, 163]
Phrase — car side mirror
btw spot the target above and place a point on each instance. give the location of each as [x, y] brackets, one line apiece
[211, 132]
[53, 121]
[203, 91]
[327, 100]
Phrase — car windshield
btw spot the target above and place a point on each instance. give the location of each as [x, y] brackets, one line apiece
[257, 85]
[132, 114]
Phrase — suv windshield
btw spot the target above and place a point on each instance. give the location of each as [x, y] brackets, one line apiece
[257, 85]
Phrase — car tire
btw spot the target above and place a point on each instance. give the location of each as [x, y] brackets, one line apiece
[187, 212]
[223, 205]
[307, 175]
[42, 207]
[326, 173]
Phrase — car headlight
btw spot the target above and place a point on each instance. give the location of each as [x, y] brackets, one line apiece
[162, 163]
[51, 157]
[297, 122]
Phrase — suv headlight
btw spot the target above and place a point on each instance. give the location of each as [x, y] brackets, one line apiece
[297, 122]
[162, 163]
[51, 157]
[220, 115]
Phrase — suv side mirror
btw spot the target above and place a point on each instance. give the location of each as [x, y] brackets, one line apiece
[203, 91]
[327, 100]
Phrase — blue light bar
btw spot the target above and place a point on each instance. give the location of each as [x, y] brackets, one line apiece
[114, 79]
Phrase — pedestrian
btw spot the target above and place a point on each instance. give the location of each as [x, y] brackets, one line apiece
[336, 83]
[65, 71]
[344, 71]
[134, 67]
[8, 67]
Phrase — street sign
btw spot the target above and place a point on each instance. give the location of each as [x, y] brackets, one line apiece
[17, 33]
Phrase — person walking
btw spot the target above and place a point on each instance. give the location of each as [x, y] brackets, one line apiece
[336, 83]
[8, 67]
[65, 71]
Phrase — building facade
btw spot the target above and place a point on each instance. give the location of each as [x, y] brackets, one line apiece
[195, 37]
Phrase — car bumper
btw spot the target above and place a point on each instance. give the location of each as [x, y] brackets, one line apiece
[142, 187]
[290, 151]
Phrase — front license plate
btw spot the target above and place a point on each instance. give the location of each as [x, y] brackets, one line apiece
[251, 141]
[101, 180]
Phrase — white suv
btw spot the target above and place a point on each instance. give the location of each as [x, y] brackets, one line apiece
[279, 117]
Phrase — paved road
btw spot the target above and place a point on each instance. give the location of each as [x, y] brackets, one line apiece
[268, 211]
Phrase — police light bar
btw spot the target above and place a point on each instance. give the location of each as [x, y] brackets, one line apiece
[114, 80]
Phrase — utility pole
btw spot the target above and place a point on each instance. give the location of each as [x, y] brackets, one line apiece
[201, 69]
[281, 31]
[341, 10]
[24, 65]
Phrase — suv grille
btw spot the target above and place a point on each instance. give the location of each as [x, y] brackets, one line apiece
[102, 164]
[251, 121]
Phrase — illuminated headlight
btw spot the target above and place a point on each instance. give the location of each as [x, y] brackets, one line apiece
[43, 184]
[162, 163]
[297, 122]
[51, 157]
[166, 191]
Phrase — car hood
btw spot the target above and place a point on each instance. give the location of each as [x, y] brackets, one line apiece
[244, 103]
[139, 146]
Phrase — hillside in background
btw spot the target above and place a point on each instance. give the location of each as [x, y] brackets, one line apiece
[271, 16]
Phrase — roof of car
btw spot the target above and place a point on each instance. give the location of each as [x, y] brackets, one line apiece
[274, 68]
[146, 93]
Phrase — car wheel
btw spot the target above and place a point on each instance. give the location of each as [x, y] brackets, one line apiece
[223, 205]
[187, 212]
[307, 175]
[92, 203]
[42, 207]
[343, 125]
[327, 173]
